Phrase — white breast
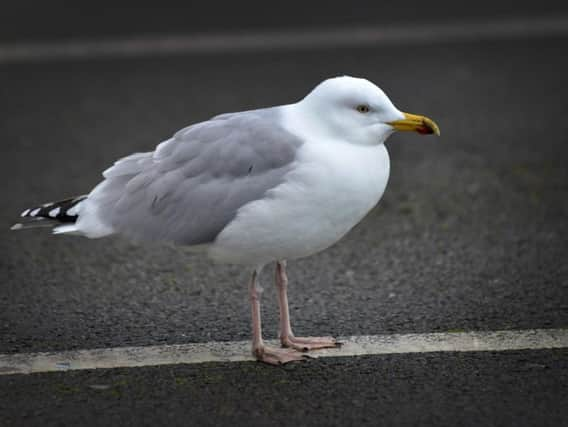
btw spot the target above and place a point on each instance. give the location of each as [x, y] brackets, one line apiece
[333, 186]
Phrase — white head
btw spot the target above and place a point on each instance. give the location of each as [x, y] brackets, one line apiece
[356, 110]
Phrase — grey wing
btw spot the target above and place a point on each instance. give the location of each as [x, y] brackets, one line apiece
[192, 185]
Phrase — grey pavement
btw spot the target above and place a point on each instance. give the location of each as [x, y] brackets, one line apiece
[471, 234]
[27, 20]
[471, 389]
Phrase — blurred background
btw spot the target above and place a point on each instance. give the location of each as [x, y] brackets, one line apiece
[32, 20]
[470, 235]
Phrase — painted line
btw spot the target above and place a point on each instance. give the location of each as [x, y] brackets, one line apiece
[298, 39]
[239, 351]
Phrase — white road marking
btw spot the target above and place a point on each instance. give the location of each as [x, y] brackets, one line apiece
[290, 39]
[239, 351]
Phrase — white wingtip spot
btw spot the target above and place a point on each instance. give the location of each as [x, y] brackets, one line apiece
[74, 210]
[34, 212]
[24, 213]
[16, 227]
[45, 205]
[54, 212]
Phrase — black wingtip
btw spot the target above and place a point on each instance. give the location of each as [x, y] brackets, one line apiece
[60, 211]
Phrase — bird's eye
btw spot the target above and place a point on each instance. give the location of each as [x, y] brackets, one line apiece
[363, 108]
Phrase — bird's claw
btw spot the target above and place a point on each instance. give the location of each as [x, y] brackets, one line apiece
[278, 356]
[309, 343]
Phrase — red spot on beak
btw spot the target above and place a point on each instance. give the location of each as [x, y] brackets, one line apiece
[424, 130]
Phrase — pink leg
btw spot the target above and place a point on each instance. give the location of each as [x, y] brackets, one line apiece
[262, 352]
[287, 337]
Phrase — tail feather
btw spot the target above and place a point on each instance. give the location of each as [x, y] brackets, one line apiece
[50, 214]
[35, 223]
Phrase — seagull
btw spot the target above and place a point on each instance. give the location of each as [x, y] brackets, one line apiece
[252, 188]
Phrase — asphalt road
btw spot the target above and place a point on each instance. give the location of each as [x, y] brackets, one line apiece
[29, 20]
[471, 234]
[506, 389]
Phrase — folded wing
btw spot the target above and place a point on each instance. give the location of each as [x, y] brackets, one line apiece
[193, 184]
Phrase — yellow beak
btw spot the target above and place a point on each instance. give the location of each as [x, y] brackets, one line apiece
[413, 122]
